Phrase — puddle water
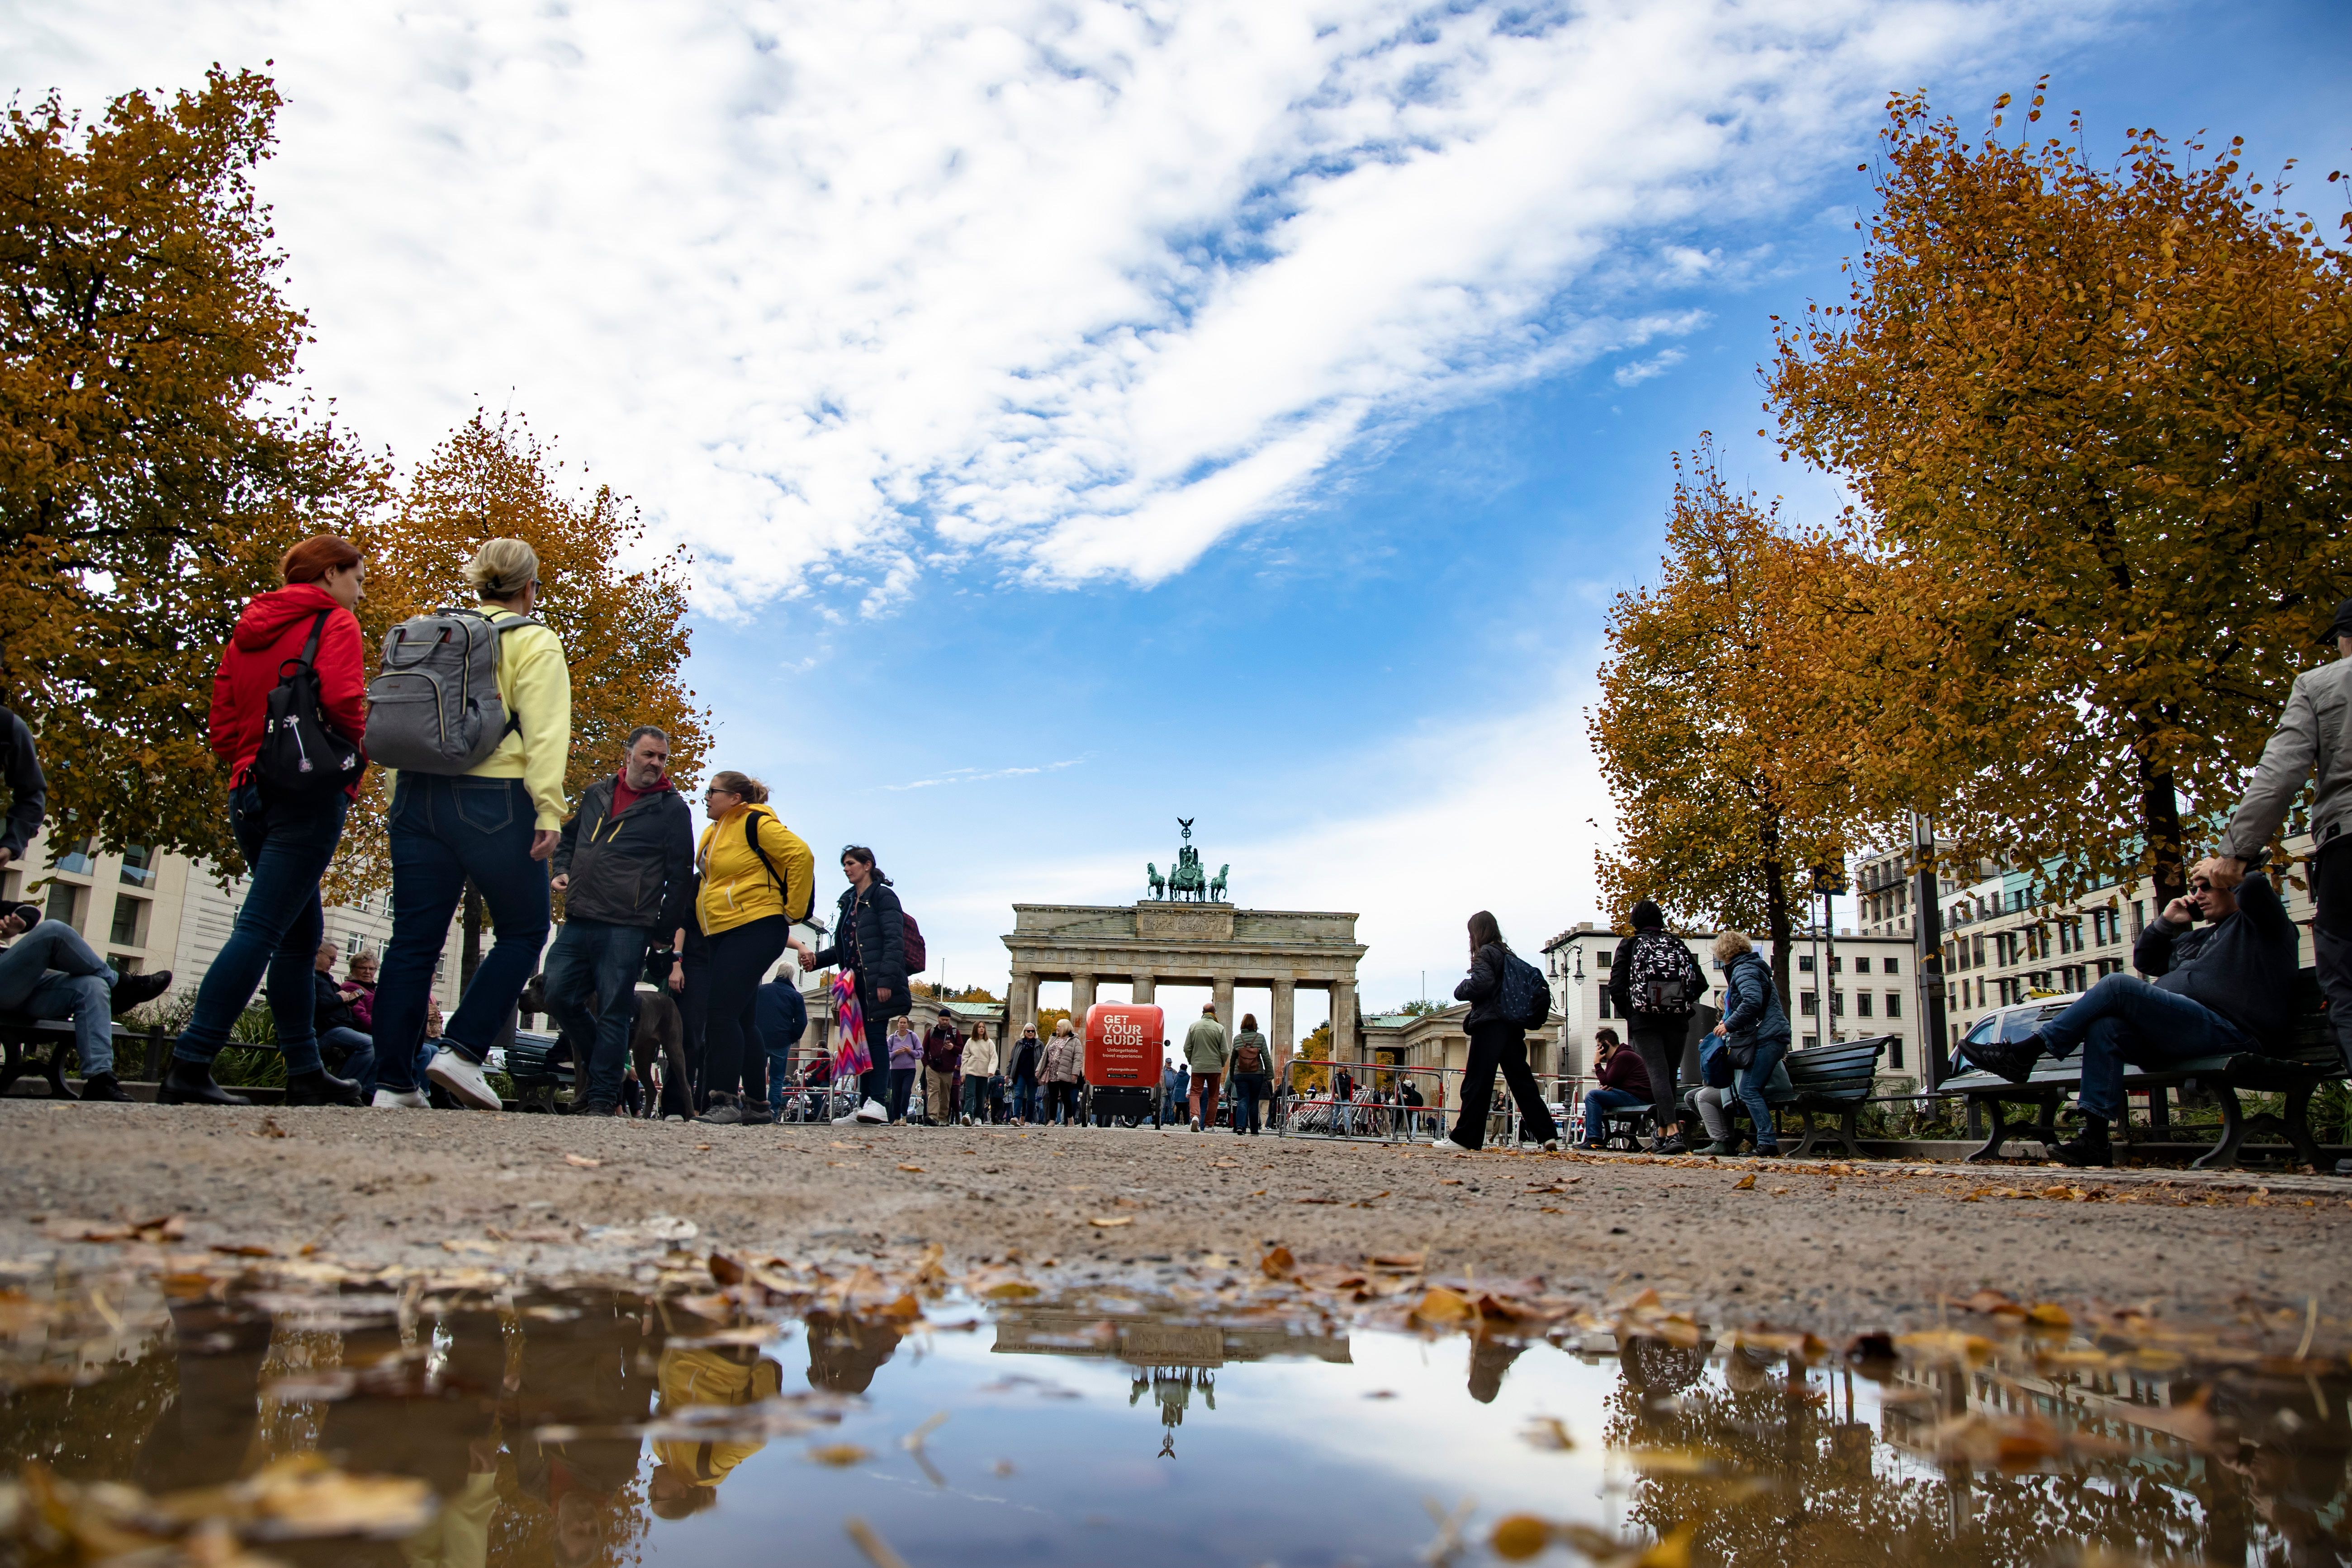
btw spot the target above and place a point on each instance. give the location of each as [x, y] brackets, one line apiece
[460, 1428]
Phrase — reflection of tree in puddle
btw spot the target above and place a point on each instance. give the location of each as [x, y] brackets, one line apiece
[1773, 1464]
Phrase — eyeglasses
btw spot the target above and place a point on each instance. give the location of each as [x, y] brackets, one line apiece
[2200, 886]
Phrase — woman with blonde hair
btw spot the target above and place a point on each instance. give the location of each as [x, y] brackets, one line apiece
[758, 877]
[1063, 1071]
[1755, 1030]
[493, 825]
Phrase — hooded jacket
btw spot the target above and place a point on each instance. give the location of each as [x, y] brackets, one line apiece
[869, 937]
[272, 630]
[1752, 1014]
[736, 886]
[631, 868]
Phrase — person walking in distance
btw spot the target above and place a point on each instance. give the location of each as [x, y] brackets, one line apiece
[625, 865]
[1252, 1066]
[869, 938]
[1062, 1070]
[1206, 1051]
[1028, 1061]
[758, 877]
[942, 1056]
[286, 828]
[1497, 1040]
[1657, 986]
[906, 1065]
[340, 1034]
[495, 823]
[2310, 742]
[983, 1092]
[781, 1016]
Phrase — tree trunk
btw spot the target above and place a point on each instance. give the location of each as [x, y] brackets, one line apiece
[469, 951]
[2159, 815]
[1776, 909]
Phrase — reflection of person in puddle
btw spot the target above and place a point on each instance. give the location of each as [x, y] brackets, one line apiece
[687, 1473]
[1489, 1360]
[846, 1351]
[459, 1535]
[570, 1371]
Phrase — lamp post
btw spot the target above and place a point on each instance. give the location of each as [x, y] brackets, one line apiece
[1928, 966]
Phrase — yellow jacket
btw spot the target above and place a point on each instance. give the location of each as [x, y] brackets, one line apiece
[535, 683]
[692, 1377]
[736, 888]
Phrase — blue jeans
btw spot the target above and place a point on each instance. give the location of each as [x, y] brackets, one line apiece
[444, 832]
[1748, 1084]
[1024, 1100]
[1249, 1089]
[1597, 1100]
[50, 972]
[591, 971]
[2122, 1019]
[780, 1075]
[359, 1059]
[287, 846]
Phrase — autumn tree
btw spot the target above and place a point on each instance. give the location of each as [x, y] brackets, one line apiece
[1731, 772]
[2100, 424]
[618, 605]
[154, 458]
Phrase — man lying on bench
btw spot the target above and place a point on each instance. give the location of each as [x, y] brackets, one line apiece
[2226, 988]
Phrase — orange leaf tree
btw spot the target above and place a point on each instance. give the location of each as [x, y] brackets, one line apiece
[153, 464]
[2100, 422]
[619, 607]
[1730, 767]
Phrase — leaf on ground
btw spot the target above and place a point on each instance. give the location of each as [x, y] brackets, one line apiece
[1944, 1344]
[1110, 1221]
[242, 1249]
[583, 1160]
[1440, 1305]
[876, 1550]
[1226, 1164]
[1519, 1537]
[1010, 1290]
[269, 1129]
[1744, 1184]
[1397, 1262]
[1333, 1201]
[1277, 1263]
[841, 1456]
[918, 1169]
[468, 1243]
[2049, 1315]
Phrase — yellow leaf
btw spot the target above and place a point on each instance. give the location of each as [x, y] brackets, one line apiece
[1102, 1222]
[841, 1456]
[583, 1160]
[916, 1169]
[2050, 1315]
[1440, 1305]
[1519, 1537]
[1744, 1184]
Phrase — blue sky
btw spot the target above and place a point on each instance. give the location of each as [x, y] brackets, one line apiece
[1087, 415]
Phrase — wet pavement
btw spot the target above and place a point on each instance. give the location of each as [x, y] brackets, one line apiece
[1213, 1413]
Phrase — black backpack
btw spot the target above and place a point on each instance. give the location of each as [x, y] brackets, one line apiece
[302, 758]
[1658, 976]
[1526, 999]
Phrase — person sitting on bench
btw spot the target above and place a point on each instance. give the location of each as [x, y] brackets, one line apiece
[1624, 1083]
[2224, 989]
[48, 972]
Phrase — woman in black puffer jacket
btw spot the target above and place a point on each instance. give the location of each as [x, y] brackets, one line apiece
[869, 939]
[1495, 1041]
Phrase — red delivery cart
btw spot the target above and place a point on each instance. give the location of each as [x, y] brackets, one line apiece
[1123, 1046]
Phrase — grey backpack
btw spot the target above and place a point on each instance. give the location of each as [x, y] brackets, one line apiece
[433, 705]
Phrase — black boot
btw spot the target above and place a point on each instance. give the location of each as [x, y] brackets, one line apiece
[132, 990]
[102, 1086]
[2090, 1148]
[191, 1083]
[320, 1087]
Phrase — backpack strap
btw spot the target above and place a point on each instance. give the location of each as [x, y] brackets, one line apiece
[309, 654]
[514, 623]
[784, 888]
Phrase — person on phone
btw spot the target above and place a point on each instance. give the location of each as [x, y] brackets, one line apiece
[869, 938]
[2226, 988]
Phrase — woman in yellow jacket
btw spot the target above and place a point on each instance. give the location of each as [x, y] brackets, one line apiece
[757, 879]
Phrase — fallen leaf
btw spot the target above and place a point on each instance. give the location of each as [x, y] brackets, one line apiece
[1261, 1193]
[468, 1243]
[1010, 1290]
[583, 1160]
[1397, 1262]
[1440, 1305]
[269, 1129]
[242, 1249]
[2050, 1315]
[1944, 1344]
[1315, 1200]
[916, 1169]
[841, 1456]
[1744, 1184]
[1227, 1164]
[726, 1270]
[1277, 1263]
[1519, 1537]
[878, 1551]
[1548, 1432]
[1104, 1222]
[1778, 1193]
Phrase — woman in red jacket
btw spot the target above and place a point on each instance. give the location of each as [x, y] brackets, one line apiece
[286, 843]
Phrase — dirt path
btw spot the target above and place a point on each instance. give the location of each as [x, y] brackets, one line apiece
[1815, 1245]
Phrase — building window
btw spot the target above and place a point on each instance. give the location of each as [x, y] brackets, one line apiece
[1977, 947]
[1895, 1053]
[139, 866]
[2139, 918]
[1862, 966]
[1604, 959]
[1895, 1004]
[1812, 1040]
[130, 928]
[123, 963]
[76, 857]
[1860, 1003]
[1809, 1003]
[65, 904]
[1604, 1002]
[1887, 966]
[1837, 1003]
[1805, 963]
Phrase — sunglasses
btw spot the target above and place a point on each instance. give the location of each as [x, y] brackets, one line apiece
[2200, 886]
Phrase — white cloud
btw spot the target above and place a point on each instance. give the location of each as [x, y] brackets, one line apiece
[1077, 285]
[1636, 371]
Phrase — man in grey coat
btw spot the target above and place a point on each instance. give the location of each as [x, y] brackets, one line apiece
[2310, 740]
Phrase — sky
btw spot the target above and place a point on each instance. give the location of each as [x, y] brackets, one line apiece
[1087, 415]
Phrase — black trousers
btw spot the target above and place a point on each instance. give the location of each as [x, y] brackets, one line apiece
[2331, 933]
[1659, 1042]
[1505, 1046]
[740, 958]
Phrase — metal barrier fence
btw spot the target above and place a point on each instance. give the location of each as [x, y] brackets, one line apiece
[1375, 1111]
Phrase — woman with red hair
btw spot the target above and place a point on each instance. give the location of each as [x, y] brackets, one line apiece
[288, 836]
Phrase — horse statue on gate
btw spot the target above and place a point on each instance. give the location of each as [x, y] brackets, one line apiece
[1187, 876]
[1217, 884]
[1159, 883]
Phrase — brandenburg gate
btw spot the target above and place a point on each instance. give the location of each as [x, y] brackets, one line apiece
[1186, 934]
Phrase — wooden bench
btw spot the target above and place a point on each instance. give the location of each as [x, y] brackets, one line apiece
[538, 1077]
[1832, 1080]
[2295, 1064]
[21, 1038]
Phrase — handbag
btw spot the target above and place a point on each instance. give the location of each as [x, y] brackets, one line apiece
[301, 757]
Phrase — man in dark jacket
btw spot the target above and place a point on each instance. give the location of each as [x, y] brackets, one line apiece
[2226, 988]
[781, 1015]
[625, 865]
[1623, 1084]
[29, 791]
[1657, 985]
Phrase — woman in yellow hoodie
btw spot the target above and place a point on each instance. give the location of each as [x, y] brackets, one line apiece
[757, 879]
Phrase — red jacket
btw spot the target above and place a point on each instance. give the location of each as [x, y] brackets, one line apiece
[272, 630]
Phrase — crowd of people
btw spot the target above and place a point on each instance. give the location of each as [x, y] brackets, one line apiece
[470, 714]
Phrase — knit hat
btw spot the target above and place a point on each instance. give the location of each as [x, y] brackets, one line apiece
[1647, 916]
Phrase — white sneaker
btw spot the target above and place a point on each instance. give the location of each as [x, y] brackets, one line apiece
[967, 1122]
[873, 1113]
[1447, 1144]
[463, 1078]
[400, 1099]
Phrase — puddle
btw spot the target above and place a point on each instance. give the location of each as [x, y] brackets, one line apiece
[420, 1424]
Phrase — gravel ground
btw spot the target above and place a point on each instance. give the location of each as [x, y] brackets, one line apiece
[1817, 1245]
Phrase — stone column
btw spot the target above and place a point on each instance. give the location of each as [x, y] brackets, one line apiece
[1082, 996]
[1283, 1030]
[1021, 1004]
[1222, 996]
[1147, 990]
[1343, 1020]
